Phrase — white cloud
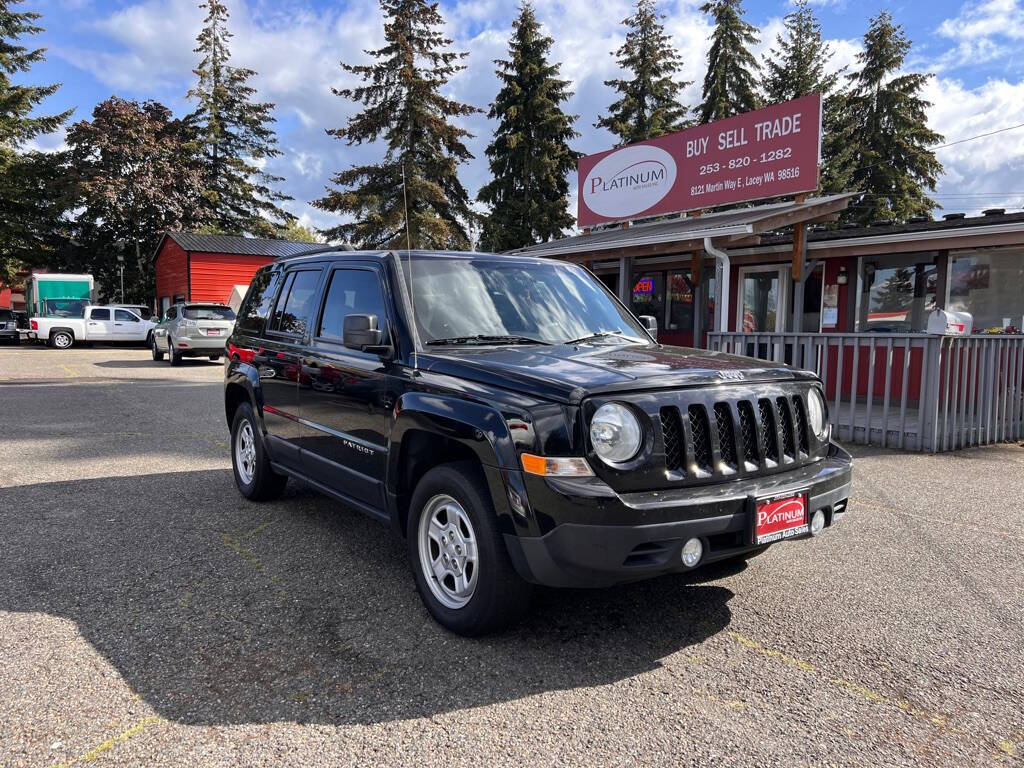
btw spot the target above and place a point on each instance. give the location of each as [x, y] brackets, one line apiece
[986, 172]
[983, 33]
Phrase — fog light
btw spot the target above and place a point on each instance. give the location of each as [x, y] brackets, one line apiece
[817, 522]
[693, 550]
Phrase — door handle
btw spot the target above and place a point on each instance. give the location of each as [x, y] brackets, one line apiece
[311, 370]
[260, 359]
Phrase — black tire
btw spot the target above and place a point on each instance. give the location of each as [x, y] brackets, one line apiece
[62, 339]
[501, 597]
[173, 355]
[158, 354]
[266, 484]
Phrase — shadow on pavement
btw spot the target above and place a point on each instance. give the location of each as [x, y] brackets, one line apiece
[150, 363]
[217, 611]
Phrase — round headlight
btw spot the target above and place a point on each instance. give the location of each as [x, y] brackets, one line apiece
[615, 433]
[816, 412]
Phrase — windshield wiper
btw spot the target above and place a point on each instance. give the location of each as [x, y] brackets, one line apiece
[481, 338]
[598, 335]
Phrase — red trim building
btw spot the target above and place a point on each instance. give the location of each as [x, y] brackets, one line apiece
[194, 267]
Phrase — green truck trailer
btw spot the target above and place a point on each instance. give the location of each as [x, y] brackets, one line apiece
[58, 295]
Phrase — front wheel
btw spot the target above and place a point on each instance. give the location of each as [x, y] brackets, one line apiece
[255, 478]
[173, 356]
[462, 569]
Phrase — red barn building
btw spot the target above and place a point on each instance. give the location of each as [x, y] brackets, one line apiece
[191, 267]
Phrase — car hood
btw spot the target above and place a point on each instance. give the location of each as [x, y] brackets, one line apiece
[569, 373]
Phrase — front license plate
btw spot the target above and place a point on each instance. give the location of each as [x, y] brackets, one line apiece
[213, 331]
[781, 518]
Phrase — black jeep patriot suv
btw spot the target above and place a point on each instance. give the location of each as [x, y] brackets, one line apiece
[518, 425]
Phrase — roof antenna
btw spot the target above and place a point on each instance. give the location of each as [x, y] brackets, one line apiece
[408, 253]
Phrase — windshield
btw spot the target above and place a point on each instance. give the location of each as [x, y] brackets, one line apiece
[208, 313]
[543, 301]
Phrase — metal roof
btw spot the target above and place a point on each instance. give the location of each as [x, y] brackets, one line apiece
[247, 246]
[736, 225]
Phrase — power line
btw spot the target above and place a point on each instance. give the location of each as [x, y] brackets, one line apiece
[980, 136]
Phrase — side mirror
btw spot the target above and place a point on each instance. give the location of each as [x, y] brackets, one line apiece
[650, 322]
[361, 332]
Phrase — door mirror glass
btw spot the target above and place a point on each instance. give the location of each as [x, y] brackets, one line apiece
[361, 332]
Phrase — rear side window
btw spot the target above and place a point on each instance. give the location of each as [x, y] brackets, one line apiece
[252, 315]
[125, 316]
[352, 292]
[208, 313]
[291, 313]
[99, 314]
[172, 313]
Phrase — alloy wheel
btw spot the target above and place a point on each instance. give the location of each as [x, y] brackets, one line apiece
[245, 453]
[448, 551]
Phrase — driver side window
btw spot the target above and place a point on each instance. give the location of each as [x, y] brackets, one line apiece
[352, 292]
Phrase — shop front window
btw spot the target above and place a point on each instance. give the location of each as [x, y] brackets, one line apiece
[899, 293]
[987, 284]
[649, 295]
[761, 301]
[680, 302]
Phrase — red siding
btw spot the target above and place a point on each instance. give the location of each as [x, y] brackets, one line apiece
[171, 271]
[215, 274]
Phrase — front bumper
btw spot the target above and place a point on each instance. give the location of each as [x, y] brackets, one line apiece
[575, 554]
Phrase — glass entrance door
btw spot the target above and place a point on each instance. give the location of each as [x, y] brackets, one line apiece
[762, 306]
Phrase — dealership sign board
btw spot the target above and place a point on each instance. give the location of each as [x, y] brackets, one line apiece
[766, 153]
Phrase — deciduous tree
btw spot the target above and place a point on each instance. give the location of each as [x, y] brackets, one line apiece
[530, 157]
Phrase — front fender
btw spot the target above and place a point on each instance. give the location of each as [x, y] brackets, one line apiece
[478, 427]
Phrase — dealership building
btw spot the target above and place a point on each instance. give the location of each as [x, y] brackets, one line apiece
[785, 281]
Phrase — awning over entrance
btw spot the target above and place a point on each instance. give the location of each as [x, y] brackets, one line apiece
[706, 233]
[732, 228]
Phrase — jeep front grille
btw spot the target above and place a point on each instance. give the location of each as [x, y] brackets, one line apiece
[747, 435]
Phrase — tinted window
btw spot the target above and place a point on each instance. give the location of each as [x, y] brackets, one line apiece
[213, 312]
[99, 314]
[172, 313]
[351, 292]
[292, 311]
[125, 316]
[252, 316]
[6, 314]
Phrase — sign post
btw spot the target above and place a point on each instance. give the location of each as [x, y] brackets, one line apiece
[766, 153]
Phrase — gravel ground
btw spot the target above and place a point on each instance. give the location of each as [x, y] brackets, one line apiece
[149, 616]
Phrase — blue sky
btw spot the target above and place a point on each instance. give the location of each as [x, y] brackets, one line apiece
[143, 50]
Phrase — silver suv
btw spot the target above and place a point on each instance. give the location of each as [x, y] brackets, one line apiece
[193, 330]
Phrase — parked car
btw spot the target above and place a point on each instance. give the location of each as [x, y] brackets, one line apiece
[96, 323]
[518, 425]
[192, 330]
[141, 310]
[9, 332]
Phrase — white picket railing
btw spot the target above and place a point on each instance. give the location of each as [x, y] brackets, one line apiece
[909, 391]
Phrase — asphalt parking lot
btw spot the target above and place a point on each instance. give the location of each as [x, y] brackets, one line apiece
[149, 616]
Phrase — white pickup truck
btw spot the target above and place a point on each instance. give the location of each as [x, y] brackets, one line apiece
[98, 323]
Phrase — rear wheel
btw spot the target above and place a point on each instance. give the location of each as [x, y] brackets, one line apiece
[173, 356]
[459, 561]
[61, 339]
[255, 478]
[158, 353]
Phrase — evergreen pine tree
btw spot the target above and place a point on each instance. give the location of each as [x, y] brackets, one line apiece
[889, 134]
[797, 67]
[28, 209]
[729, 86]
[235, 134]
[649, 102]
[529, 157]
[401, 93]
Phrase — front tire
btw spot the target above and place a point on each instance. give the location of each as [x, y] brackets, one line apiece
[158, 353]
[255, 478]
[462, 570]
